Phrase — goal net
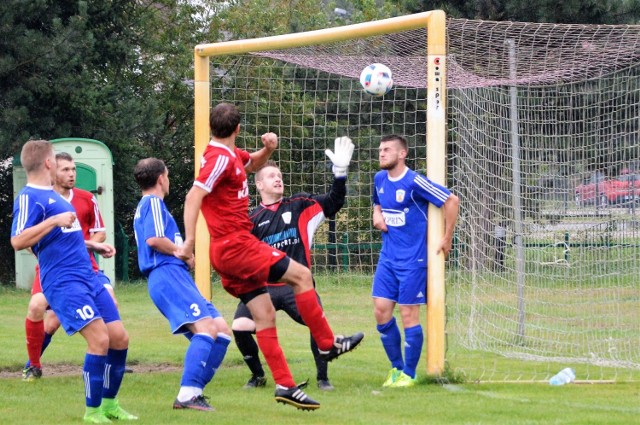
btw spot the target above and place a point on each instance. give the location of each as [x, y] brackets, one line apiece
[543, 145]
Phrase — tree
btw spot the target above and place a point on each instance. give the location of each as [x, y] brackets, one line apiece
[117, 71]
[566, 12]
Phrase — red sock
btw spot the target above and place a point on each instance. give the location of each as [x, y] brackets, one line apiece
[313, 316]
[272, 352]
[35, 338]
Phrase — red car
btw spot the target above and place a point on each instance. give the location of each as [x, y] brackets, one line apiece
[603, 191]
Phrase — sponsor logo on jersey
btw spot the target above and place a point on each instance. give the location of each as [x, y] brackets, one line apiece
[381, 190]
[394, 218]
[420, 295]
[244, 193]
[52, 201]
[400, 195]
[264, 223]
[75, 227]
[286, 217]
[238, 171]
[202, 161]
[288, 235]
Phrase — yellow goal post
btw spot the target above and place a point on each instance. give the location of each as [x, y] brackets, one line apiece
[435, 24]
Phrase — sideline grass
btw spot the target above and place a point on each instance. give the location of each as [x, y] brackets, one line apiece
[358, 398]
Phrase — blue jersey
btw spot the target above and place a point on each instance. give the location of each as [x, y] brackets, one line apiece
[153, 219]
[62, 254]
[404, 202]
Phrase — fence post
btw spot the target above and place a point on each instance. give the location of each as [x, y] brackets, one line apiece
[344, 250]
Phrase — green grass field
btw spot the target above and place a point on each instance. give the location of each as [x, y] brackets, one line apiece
[358, 398]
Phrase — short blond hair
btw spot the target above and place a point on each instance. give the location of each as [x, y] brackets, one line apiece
[34, 153]
[269, 163]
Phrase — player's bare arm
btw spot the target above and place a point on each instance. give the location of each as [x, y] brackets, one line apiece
[192, 205]
[29, 237]
[104, 249]
[99, 236]
[378, 219]
[450, 210]
[258, 158]
[163, 245]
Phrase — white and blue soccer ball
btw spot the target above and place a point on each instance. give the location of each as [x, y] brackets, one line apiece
[376, 79]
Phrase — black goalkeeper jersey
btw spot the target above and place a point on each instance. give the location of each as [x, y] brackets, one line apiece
[289, 224]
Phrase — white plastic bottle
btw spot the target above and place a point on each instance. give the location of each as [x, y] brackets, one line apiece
[565, 376]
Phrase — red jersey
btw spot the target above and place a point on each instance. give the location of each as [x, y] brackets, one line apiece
[222, 175]
[88, 214]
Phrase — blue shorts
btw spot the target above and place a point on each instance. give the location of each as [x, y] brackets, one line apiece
[78, 303]
[403, 286]
[103, 279]
[176, 295]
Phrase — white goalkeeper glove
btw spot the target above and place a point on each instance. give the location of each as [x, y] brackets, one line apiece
[341, 157]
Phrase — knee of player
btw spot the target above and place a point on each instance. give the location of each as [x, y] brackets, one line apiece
[118, 337]
[98, 343]
[382, 314]
[51, 329]
[410, 315]
[298, 275]
[51, 323]
[305, 274]
[222, 327]
[243, 324]
[37, 308]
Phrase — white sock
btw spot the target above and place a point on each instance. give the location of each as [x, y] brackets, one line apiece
[187, 393]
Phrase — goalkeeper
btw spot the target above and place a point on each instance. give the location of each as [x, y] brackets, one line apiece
[288, 224]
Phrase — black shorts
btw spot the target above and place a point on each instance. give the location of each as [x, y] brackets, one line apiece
[282, 298]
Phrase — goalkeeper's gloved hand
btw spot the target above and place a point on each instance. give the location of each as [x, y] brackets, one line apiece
[341, 157]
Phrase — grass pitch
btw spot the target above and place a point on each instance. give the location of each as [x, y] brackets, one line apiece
[358, 398]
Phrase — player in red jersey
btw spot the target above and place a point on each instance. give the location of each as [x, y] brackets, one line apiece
[288, 223]
[40, 327]
[246, 264]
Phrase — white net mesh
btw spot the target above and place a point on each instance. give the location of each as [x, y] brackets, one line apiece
[544, 151]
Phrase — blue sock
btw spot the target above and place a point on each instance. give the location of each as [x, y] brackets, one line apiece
[392, 342]
[413, 339]
[93, 376]
[195, 361]
[46, 342]
[216, 355]
[114, 372]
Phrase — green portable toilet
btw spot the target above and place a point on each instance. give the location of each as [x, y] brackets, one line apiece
[94, 165]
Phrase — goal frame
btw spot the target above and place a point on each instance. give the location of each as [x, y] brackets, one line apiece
[435, 24]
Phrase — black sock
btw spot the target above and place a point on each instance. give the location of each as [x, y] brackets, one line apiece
[321, 365]
[249, 350]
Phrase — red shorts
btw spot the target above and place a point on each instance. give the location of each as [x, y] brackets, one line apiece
[36, 288]
[243, 262]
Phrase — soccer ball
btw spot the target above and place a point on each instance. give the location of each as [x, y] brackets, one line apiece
[376, 79]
